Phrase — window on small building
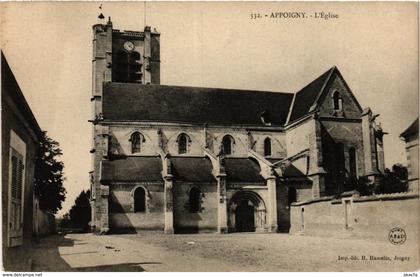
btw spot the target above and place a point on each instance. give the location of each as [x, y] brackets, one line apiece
[267, 147]
[136, 140]
[195, 200]
[183, 143]
[352, 162]
[139, 200]
[227, 144]
[337, 101]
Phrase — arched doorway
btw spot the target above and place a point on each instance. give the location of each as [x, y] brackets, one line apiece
[244, 217]
[247, 212]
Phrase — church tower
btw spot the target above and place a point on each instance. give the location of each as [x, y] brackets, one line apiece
[120, 57]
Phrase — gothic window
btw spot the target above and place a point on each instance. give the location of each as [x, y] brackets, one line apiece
[337, 101]
[195, 200]
[136, 140]
[352, 162]
[227, 144]
[267, 147]
[183, 143]
[139, 200]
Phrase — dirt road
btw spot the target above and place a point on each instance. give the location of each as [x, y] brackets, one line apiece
[212, 252]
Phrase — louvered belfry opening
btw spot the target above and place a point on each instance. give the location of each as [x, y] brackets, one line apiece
[127, 67]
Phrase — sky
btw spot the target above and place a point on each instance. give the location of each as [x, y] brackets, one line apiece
[373, 44]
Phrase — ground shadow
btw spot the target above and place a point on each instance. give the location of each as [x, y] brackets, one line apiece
[116, 207]
[187, 223]
[46, 257]
[124, 267]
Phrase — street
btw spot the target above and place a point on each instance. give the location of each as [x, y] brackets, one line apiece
[212, 252]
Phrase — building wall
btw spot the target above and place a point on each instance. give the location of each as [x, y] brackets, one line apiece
[13, 119]
[298, 138]
[120, 140]
[349, 106]
[350, 135]
[283, 209]
[367, 217]
[122, 217]
[44, 223]
[206, 218]
[412, 150]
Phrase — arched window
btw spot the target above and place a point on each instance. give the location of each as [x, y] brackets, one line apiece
[139, 200]
[352, 162]
[126, 67]
[183, 143]
[195, 200]
[337, 101]
[267, 147]
[227, 145]
[136, 140]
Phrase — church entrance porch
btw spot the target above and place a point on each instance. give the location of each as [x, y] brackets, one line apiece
[244, 217]
[247, 212]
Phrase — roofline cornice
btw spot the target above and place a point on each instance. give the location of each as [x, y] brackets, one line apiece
[198, 125]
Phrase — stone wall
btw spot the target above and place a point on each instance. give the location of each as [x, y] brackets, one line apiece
[122, 217]
[205, 219]
[369, 217]
[120, 139]
[349, 109]
[45, 223]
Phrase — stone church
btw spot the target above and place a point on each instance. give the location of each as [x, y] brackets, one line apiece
[189, 159]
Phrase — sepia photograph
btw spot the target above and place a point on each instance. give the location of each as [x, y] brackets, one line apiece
[209, 137]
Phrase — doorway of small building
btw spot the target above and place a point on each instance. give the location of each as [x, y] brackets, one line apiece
[247, 212]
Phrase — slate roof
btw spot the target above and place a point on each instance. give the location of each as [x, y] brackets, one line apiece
[293, 173]
[307, 96]
[136, 102]
[290, 171]
[179, 104]
[411, 130]
[242, 170]
[131, 169]
[192, 169]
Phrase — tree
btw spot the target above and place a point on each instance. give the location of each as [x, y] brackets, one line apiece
[49, 175]
[391, 182]
[65, 222]
[364, 186]
[80, 211]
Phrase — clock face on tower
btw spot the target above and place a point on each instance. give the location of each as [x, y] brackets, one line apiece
[128, 45]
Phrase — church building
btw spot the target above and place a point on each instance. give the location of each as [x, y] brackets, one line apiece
[191, 159]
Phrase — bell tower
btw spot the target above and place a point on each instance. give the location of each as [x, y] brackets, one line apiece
[136, 56]
[123, 57]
